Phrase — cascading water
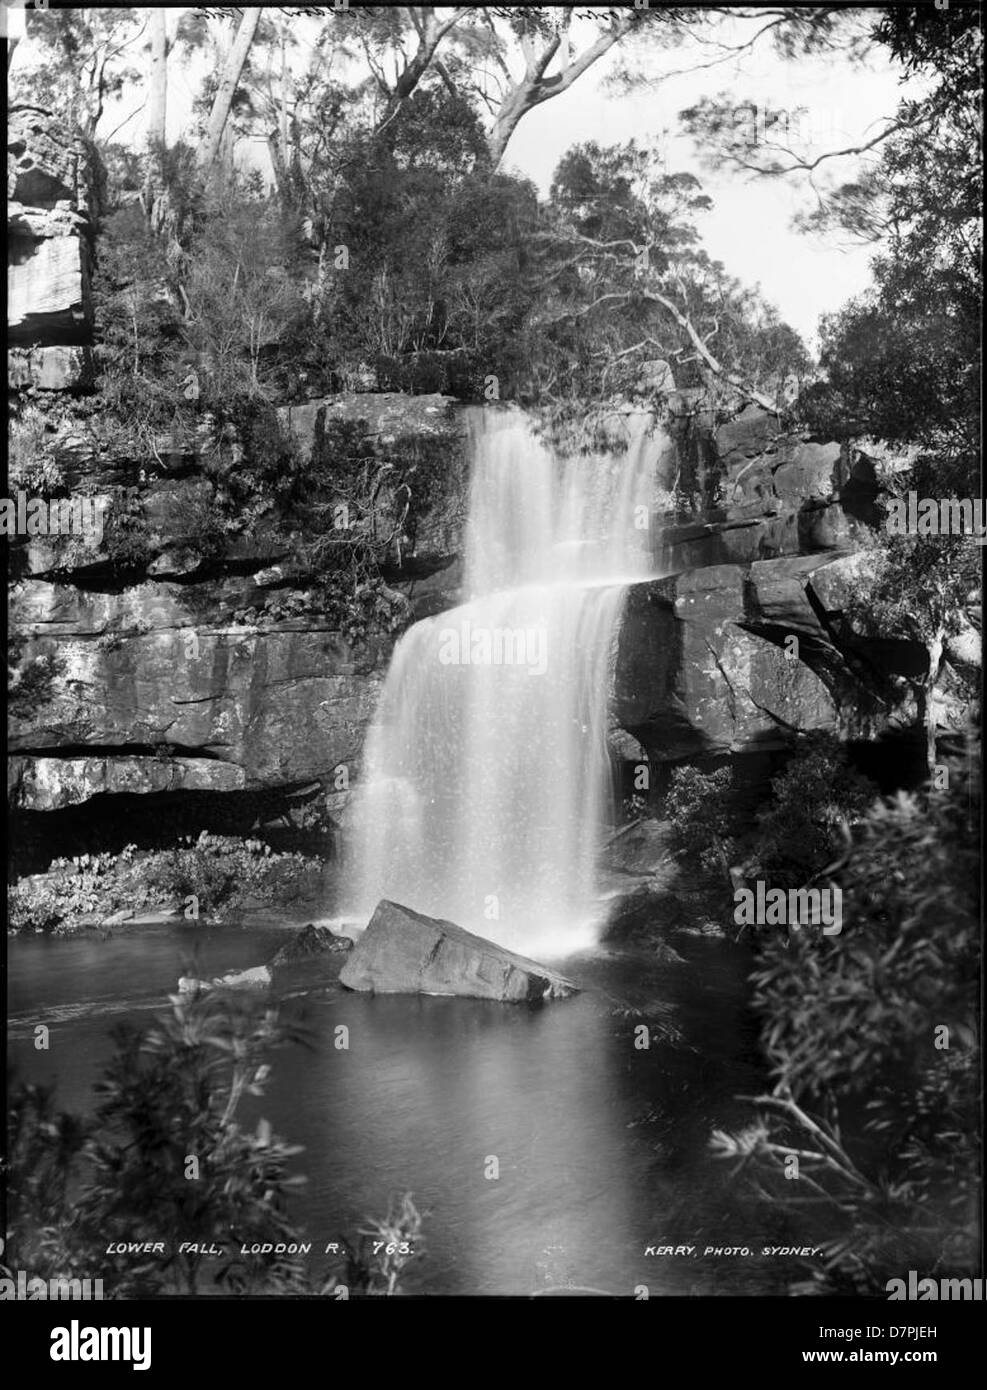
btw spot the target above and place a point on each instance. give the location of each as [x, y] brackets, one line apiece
[486, 780]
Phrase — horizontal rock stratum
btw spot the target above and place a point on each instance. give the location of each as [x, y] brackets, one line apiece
[405, 952]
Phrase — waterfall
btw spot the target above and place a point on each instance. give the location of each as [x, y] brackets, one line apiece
[486, 779]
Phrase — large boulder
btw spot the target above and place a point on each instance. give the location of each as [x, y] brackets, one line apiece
[48, 296]
[405, 952]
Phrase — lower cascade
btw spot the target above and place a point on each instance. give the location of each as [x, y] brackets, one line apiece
[486, 784]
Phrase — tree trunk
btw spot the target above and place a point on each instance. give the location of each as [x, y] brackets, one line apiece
[431, 31]
[15, 30]
[534, 87]
[157, 101]
[928, 698]
[232, 72]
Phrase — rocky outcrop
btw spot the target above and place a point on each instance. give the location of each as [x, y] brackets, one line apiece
[163, 669]
[404, 952]
[410, 435]
[309, 961]
[51, 784]
[187, 655]
[311, 943]
[750, 490]
[51, 180]
[743, 658]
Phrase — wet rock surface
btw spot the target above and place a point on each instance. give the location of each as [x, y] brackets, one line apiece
[405, 952]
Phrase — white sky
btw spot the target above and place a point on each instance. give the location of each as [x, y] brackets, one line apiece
[749, 228]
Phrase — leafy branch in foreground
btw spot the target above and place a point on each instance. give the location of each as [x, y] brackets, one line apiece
[167, 1152]
[872, 1037]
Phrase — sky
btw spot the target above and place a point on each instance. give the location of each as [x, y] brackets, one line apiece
[749, 227]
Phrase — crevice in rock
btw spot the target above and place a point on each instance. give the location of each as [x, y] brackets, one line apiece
[118, 750]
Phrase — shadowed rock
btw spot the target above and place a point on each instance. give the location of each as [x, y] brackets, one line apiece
[311, 941]
[404, 952]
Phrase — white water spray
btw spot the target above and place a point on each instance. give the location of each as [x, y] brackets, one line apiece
[486, 780]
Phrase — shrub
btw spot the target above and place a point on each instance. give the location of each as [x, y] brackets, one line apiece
[127, 539]
[87, 886]
[814, 802]
[698, 806]
[30, 681]
[221, 872]
[872, 1038]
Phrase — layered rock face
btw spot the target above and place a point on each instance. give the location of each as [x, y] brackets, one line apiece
[50, 193]
[181, 681]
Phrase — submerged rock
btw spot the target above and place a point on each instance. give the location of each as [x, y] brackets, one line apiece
[310, 960]
[258, 977]
[311, 941]
[405, 952]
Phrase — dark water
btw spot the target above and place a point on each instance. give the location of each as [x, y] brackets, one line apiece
[602, 1148]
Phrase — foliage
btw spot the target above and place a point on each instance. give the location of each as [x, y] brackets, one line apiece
[43, 1151]
[127, 537]
[698, 806]
[434, 293]
[172, 1093]
[242, 305]
[378, 1261]
[902, 362]
[134, 298]
[813, 804]
[798, 830]
[30, 465]
[872, 1037]
[623, 284]
[221, 871]
[917, 588]
[30, 681]
[81, 61]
